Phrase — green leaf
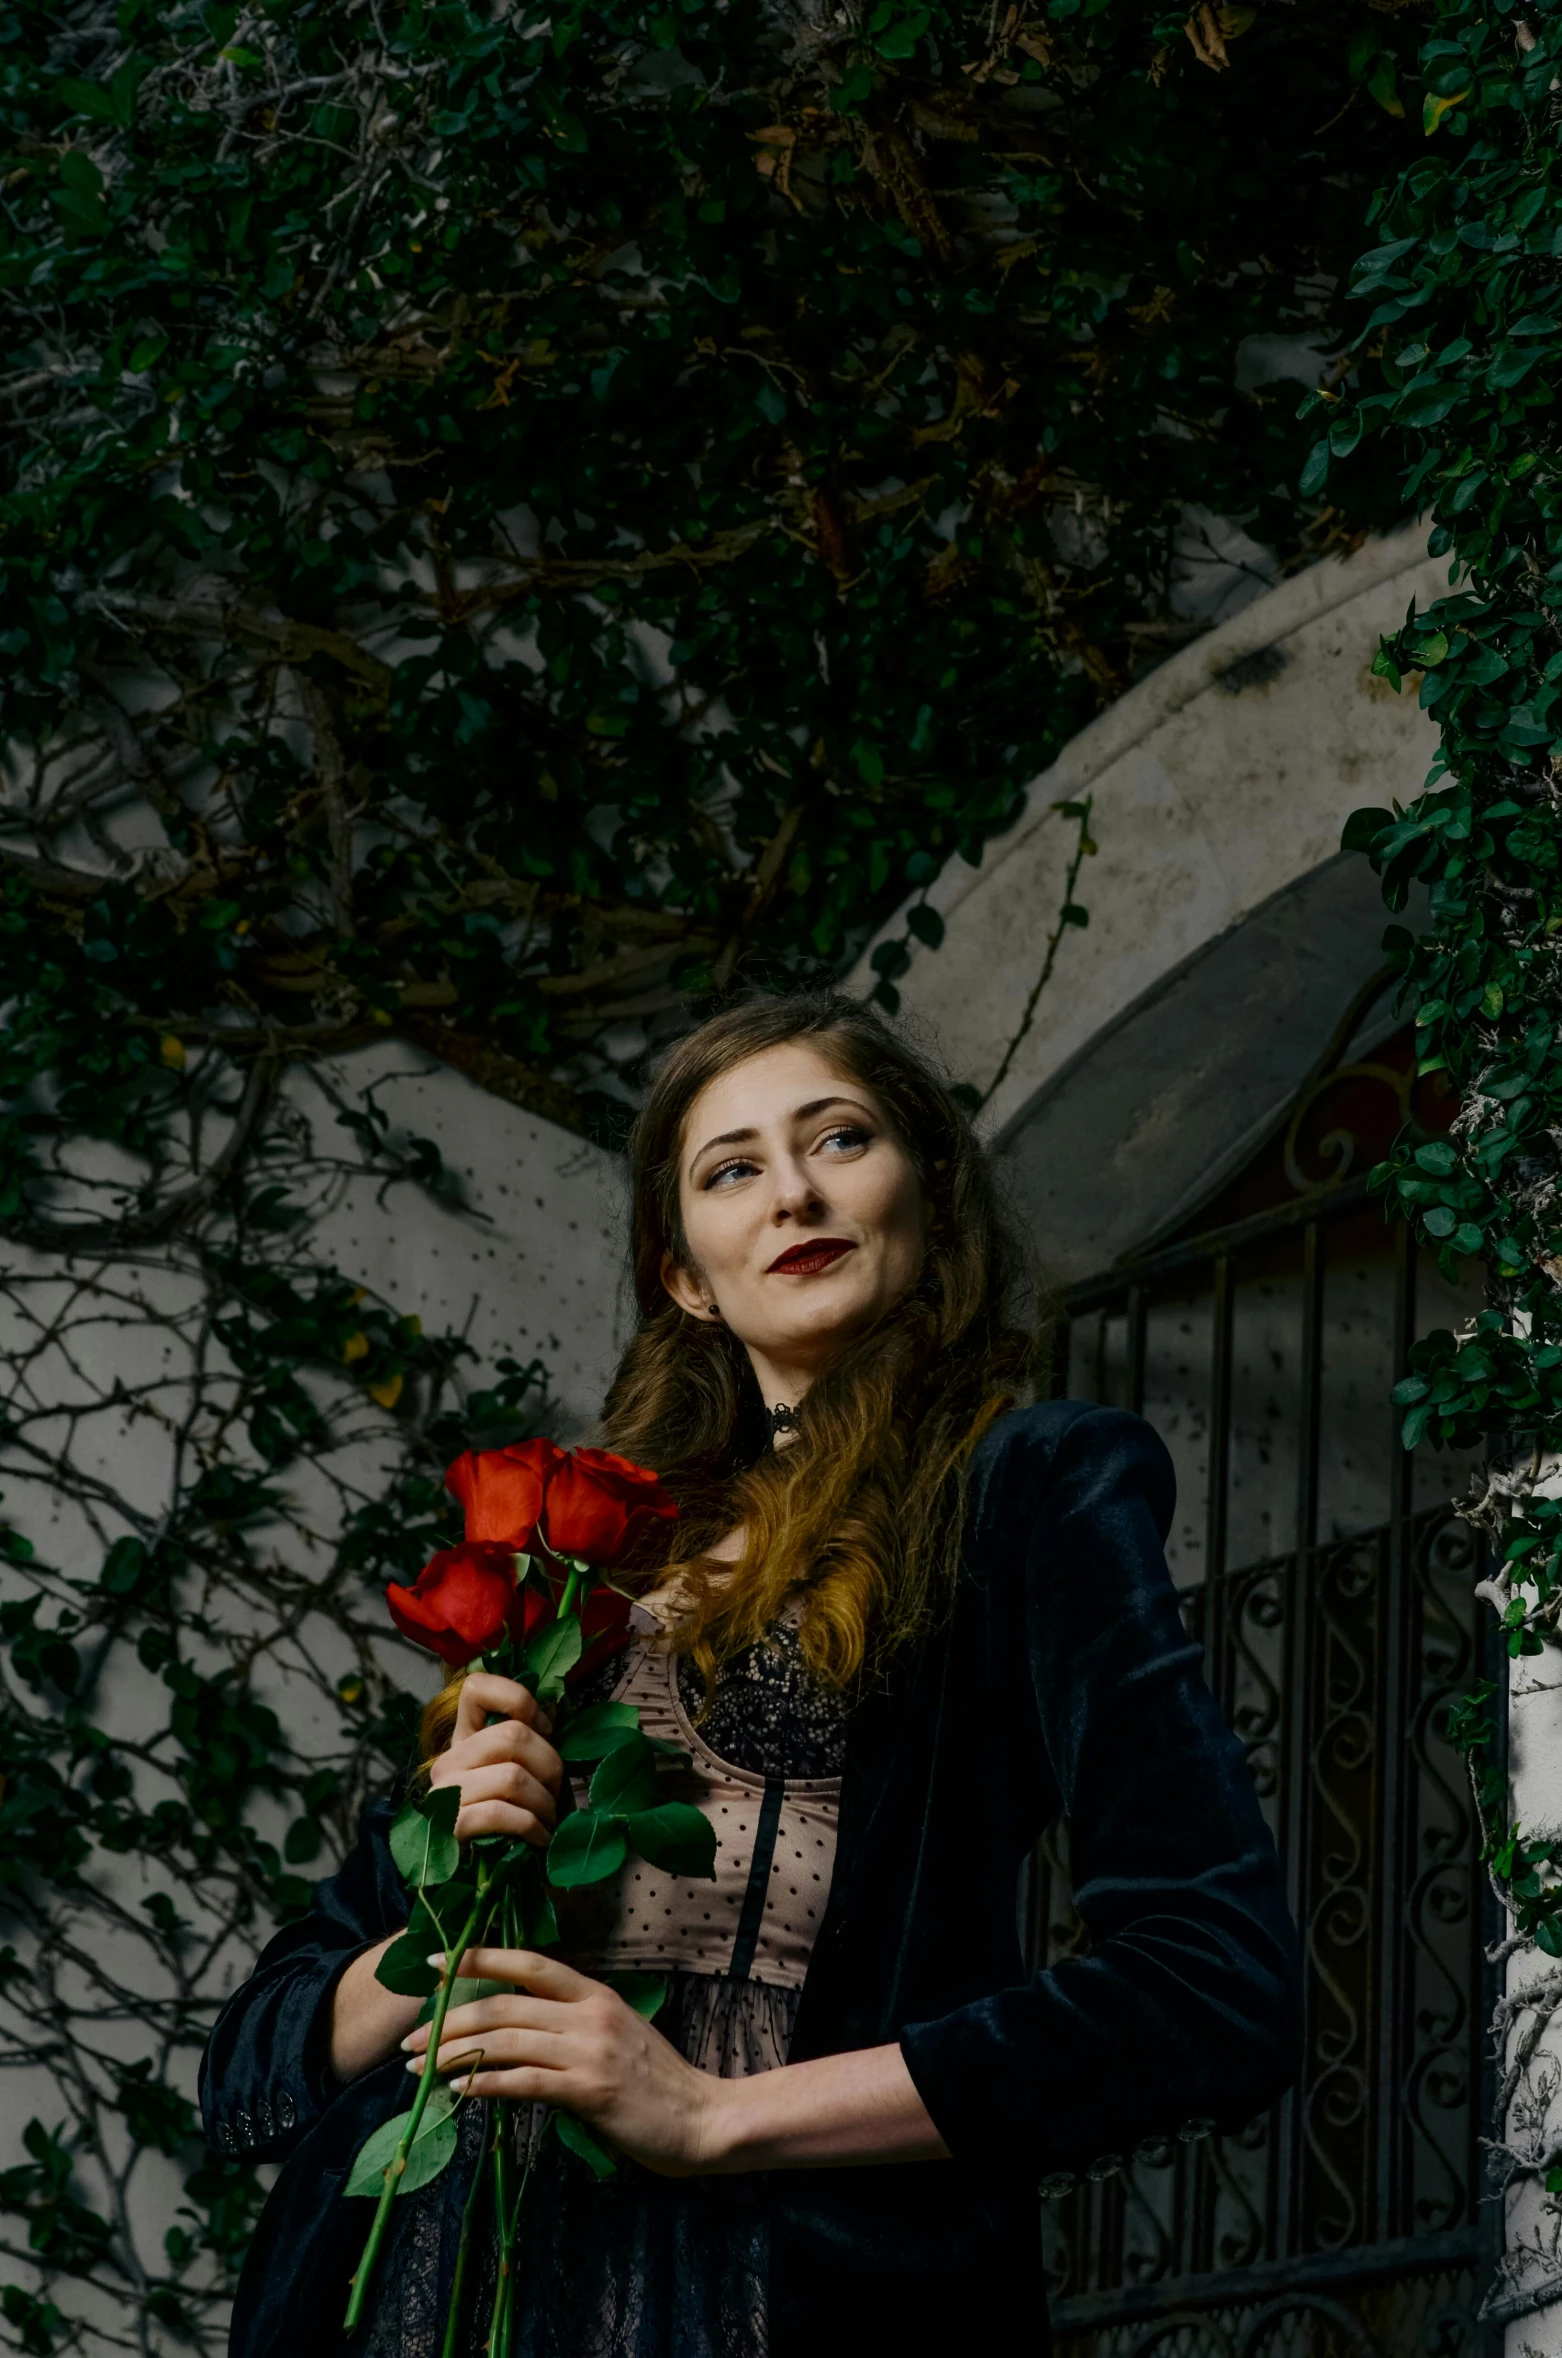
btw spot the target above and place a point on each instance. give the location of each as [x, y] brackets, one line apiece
[1384, 86]
[80, 174]
[675, 1837]
[123, 1567]
[1416, 1422]
[86, 215]
[115, 103]
[542, 1923]
[1316, 471]
[645, 1992]
[405, 1968]
[423, 1841]
[431, 2150]
[1434, 108]
[1362, 828]
[464, 1991]
[581, 2141]
[626, 1781]
[586, 1849]
[597, 1730]
[553, 1651]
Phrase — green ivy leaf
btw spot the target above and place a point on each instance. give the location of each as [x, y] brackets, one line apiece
[1316, 471]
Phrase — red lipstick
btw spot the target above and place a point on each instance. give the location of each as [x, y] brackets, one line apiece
[808, 1258]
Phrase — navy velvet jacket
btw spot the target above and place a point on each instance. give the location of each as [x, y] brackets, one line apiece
[1062, 1680]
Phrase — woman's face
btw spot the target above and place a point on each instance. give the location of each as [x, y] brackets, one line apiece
[804, 1215]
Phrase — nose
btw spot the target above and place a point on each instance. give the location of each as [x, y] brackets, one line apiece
[796, 1197]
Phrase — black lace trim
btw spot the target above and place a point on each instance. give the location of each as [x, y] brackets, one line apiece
[769, 1714]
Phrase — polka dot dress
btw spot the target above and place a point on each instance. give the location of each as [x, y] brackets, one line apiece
[764, 1767]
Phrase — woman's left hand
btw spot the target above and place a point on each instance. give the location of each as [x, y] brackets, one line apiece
[557, 2037]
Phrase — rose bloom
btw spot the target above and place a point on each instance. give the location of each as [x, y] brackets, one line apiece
[598, 1505]
[502, 1490]
[464, 1600]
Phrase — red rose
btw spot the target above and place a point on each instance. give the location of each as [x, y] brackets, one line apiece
[502, 1490]
[464, 1600]
[599, 1504]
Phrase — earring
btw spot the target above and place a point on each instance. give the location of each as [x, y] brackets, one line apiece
[715, 1313]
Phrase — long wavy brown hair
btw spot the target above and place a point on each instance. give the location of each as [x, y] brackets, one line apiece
[861, 1513]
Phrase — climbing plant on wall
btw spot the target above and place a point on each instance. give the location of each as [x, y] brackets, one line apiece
[508, 521]
[1463, 343]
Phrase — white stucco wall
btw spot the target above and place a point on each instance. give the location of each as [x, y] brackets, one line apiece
[1217, 782]
[525, 1254]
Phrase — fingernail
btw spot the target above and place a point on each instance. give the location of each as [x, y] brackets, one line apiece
[406, 2045]
[416, 2065]
[437, 1960]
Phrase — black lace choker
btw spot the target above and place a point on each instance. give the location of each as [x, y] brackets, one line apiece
[782, 1420]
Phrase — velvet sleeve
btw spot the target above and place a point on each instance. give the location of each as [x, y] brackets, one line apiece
[1184, 2014]
[265, 2076]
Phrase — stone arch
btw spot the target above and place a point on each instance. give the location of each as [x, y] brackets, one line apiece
[1227, 931]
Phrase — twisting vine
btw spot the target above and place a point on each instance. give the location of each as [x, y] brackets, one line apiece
[1465, 338]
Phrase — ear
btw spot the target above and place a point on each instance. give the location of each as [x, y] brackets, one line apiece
[686, 1289]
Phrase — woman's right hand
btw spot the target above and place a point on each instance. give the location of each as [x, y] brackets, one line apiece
[508, 1772]
[509, 1775]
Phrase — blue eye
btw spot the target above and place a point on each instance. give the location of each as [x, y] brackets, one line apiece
[725, 1171]
[849, 1134]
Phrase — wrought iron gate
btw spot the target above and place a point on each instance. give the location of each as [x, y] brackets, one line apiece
[1331, 1588]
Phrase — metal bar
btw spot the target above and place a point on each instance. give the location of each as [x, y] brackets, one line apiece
[1203, 2187]
[1138, 1305]
[1298, 1690]
[1406, 2256]
[1323, 1203]
[1216, 1505]
[1489, 1929]
[1396, 1791]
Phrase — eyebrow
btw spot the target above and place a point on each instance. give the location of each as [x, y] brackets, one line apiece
[802, 1113]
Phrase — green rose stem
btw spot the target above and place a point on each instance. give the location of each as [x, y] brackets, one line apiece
[509, 2218]
[507, 2214]
[453, 2321]
[397, 2164]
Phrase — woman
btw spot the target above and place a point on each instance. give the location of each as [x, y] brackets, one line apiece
[907, 1624]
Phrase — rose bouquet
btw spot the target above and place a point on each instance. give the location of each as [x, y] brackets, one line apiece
[525, 1594]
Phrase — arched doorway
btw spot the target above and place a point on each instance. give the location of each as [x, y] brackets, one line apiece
[1330, 1584]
